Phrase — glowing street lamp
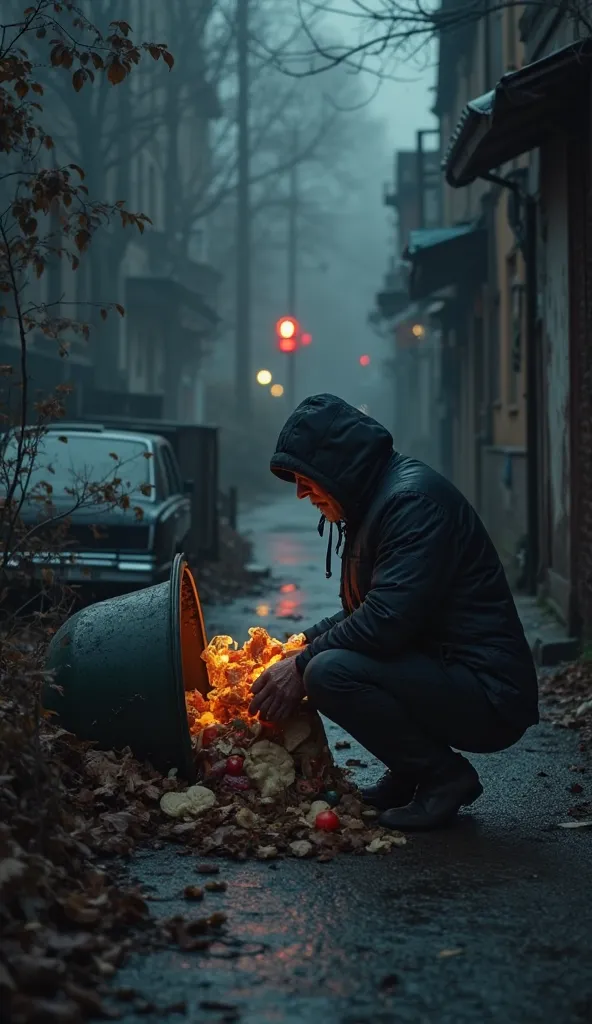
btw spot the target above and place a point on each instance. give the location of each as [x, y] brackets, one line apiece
[264, 378]
[277, 390]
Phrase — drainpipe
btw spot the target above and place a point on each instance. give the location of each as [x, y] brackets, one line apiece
[529, 251]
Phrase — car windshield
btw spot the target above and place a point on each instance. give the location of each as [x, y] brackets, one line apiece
[69, 462]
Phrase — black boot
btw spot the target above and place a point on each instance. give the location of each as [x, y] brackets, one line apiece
[392, 790]
[438, 798]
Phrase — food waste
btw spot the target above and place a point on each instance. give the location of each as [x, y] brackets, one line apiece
[265, 790]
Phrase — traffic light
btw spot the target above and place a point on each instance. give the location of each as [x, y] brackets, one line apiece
[287, 330]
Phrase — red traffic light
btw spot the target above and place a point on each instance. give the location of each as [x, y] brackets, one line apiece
[287, 344]
[364, 360]
[287, 327]
[306, 339]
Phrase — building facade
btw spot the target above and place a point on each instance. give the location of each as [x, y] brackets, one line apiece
[527, 132]
[411, 332]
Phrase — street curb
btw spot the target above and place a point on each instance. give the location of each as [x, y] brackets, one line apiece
[550, 653]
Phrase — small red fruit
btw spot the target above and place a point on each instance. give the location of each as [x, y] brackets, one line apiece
[209, 735]
[327, 821]
[234, 765]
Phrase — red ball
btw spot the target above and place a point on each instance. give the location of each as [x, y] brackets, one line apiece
[234, 765]
[327, 821]
[209, 735]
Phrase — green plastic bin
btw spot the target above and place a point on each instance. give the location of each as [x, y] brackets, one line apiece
[121, 668]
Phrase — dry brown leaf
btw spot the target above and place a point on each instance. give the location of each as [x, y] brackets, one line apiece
[266, 852]
[301, 848]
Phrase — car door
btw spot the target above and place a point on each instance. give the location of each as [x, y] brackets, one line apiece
[180, 506]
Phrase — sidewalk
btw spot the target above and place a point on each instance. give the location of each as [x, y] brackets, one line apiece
[548, 639]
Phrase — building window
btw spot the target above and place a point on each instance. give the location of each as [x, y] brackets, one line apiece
[152, 210]
[497, 44]
[494, 350]
[141, 181]
[514, 330]
[511, 38]
[139, 355]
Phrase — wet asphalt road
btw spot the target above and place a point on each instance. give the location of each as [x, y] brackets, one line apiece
[490, 920]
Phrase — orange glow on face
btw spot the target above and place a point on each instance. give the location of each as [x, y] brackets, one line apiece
[326, 505]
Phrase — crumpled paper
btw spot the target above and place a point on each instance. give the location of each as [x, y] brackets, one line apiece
[270, 767]
[193, 802]
[317, 808]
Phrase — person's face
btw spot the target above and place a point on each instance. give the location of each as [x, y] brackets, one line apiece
[318, 497]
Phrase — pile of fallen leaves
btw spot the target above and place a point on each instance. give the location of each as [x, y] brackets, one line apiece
[568, 699]
[66, 924]
[66, 810]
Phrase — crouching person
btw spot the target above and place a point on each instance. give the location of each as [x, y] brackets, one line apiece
[427, 656]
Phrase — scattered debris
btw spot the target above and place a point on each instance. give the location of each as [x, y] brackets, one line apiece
[208, 869]
[193, 892]
[290, 791]
[301, 848]
[389, 982]
[568, 699]
[194, 801]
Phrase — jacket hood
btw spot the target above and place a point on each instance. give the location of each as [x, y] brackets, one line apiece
[337, 446]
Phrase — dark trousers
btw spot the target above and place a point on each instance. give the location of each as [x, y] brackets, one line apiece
[409, 712]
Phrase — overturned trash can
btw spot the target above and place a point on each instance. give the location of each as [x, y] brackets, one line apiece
[122, 667]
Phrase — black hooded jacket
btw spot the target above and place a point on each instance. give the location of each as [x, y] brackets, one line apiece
[419, 570]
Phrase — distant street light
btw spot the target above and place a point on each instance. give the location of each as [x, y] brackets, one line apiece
[364, 360]
[277, 390]
[418, 330]
[264, 378]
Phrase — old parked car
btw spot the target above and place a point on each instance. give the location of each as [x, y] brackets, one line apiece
[106, 544]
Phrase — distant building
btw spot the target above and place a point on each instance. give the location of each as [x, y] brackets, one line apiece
[145, 142]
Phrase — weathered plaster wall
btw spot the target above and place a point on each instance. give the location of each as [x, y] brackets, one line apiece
[554, 263]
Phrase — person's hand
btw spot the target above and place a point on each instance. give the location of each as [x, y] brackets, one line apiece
[277, 692]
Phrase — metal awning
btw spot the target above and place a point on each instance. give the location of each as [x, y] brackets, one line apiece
[525, 108]
[441, 257]
[390, 303]
[162, 294]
